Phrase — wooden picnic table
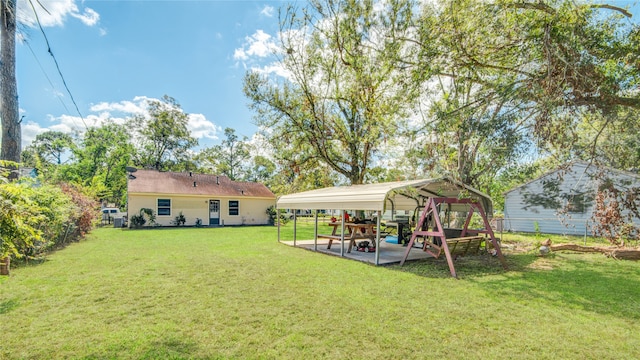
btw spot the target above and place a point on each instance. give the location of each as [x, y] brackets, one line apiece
[354, 232]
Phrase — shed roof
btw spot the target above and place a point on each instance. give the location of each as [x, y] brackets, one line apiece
[578, 166]
[398, 195]
[188, 183]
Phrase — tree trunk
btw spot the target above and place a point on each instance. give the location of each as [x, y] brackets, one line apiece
[614, 252]
[5, 264]
[11, 133]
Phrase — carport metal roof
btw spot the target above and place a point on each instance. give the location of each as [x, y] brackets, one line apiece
[398, 195]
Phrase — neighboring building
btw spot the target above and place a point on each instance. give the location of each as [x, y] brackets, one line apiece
[215, 200]
[561, 201]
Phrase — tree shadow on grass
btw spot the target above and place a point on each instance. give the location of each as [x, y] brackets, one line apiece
[589, 282]
[8, 305]
[169, 348]
[466, 266]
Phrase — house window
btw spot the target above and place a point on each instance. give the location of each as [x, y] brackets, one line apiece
[164, 206]
[234, 207]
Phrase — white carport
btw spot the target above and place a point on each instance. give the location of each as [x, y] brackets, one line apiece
[400, 195]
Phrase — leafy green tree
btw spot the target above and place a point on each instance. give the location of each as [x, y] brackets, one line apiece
[162, 139]
[51, 146]
[560, 59]
[229, 158]
[261, 170]
[346, 90]
[470, 135]
[100, 158]
[612, 139]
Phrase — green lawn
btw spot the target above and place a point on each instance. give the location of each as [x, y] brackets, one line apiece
[237, 293]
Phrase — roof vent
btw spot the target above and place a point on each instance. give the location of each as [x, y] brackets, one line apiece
[217, 180]
[190, 174]
[194, 184]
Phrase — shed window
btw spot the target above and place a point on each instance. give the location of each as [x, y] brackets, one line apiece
[577, 204]
[234, 207]
[164, 206]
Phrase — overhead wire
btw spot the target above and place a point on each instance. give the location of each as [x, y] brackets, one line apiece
[45, 74]
[64, 82]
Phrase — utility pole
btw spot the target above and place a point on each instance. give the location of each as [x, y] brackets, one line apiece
[9, 112]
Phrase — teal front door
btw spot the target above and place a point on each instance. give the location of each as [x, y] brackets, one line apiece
[214, 212]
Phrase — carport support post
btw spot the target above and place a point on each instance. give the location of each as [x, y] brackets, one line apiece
[278, 220]
[295, 222]
[342, 234]
[378, 238]
[315, 233]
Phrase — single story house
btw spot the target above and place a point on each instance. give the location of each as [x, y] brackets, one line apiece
[561, 201]
[215, 200]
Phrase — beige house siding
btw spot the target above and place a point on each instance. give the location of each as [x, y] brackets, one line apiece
[252, 211]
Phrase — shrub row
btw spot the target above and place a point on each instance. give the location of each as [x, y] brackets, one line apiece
[35, 218]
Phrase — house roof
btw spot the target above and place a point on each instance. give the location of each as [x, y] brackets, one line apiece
[187, 183]
[399, 195]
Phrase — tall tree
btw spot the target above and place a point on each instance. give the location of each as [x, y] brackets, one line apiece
[9, 112]
[345, 92]
[105, 152]
[469, 134]
[261, 170]
[564, 58]
[229, 158]
[51, 146]
[162, 140]
[612, 139]
[99, 161]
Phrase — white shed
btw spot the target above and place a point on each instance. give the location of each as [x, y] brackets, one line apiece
[561, 201]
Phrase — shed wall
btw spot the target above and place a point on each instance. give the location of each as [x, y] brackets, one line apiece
[541, 205]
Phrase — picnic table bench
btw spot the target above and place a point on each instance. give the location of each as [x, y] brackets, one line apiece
[354, 232]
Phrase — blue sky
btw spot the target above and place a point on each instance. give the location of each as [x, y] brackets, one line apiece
[116, 54]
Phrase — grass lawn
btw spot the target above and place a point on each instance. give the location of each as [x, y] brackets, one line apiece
[236, 293]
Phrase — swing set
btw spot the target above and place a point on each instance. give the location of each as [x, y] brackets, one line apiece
[434, 238]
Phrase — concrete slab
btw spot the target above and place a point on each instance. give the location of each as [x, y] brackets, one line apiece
[389, 253]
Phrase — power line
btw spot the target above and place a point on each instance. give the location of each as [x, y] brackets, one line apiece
[56, 62]
[45, 74]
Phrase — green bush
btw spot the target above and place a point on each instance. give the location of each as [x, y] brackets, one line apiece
[271, 211]
[20, 219]
[35, 217]
[179, 220]
[139, 220]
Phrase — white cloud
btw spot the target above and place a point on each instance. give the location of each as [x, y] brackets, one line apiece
[29, 132]
[117, 112]
[260, 147]
[135, 107]
[267, 11]
[90, 17]
[260, 45]
[274, 68]
[200, 127]
[54, 13]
